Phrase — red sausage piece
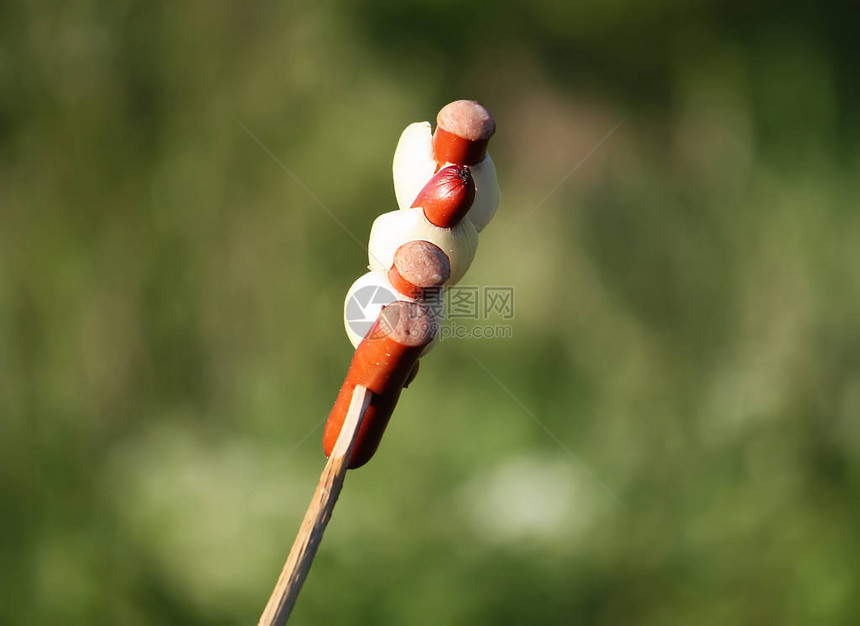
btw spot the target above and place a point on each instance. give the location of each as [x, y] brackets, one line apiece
[463, 130]
[382, 362]
[448, 196]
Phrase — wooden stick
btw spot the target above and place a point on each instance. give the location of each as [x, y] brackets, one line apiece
[319, 512]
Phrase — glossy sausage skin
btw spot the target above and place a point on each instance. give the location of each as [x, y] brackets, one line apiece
[450, 148]
[383, 362]
[447, 196]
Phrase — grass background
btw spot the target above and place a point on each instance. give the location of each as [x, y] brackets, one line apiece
[687, 313]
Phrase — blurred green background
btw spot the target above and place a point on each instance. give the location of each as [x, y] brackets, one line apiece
[687, 313]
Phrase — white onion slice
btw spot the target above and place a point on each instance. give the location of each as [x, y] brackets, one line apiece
[392, 230]
[413, 163]
[487, 193]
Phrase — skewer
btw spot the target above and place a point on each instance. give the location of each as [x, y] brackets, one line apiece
[304, 549]
[426, 244]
